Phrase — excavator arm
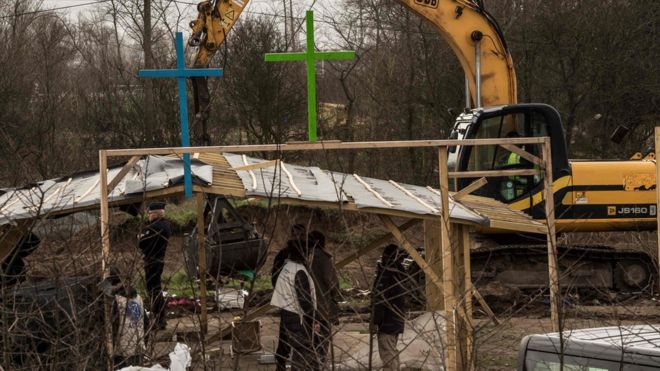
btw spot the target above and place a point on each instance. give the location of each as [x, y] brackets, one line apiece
[465, 24]
[214, 21]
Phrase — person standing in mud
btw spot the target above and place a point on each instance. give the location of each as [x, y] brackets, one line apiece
[153, 244]
[389, 303]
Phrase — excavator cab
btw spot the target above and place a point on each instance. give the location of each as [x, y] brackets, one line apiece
[521, 120]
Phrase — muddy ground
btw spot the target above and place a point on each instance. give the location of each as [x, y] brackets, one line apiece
[495, 346]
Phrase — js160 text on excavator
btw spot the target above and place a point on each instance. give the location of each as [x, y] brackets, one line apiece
[589, 195]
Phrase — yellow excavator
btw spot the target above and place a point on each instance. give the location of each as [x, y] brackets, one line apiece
[589, 195]
[215, 19]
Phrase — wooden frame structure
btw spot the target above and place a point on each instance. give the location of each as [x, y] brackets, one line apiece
[451, 278]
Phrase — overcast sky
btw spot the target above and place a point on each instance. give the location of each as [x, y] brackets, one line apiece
[254, 8]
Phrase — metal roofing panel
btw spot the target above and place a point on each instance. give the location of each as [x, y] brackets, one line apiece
[314, 184]
[83, 190]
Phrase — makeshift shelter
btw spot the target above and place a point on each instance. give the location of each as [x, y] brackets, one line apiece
[217, 170]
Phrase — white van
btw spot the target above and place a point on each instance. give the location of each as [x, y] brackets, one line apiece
[625, 348]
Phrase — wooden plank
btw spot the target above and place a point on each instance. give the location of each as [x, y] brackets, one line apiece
[520, 227]
[201, 258]
[463, 282]
[522, 153]
[410, 249]
[105, 256]
[551, 238]
[657, 193]
[484, 305]
[466, 245]
[256, 166]
[453, 345]
[470, 188]
[434, 296]
[493, 173]
[122, 173]
[380, 241]
[320, 145]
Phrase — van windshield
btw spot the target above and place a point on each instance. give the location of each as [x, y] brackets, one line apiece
[541, 361]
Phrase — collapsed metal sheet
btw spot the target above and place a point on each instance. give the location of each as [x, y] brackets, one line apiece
[83, 190]
[317, 185]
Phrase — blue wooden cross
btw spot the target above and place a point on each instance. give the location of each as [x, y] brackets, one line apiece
[181, 73]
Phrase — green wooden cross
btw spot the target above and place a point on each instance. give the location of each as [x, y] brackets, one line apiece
[310, 57]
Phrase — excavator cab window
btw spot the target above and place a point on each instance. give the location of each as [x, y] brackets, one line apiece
[481, 158]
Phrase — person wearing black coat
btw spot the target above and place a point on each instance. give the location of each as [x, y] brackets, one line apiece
[389, 303]
[327, 287]
[153, 243]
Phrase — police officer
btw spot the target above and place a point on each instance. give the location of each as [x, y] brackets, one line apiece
[153, 244]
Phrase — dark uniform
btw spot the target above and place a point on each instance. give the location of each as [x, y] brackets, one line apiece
[389, 303]
[327, 292]
[153, 243]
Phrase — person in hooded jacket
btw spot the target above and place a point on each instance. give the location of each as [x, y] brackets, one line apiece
[153, 243]
[389, 303]
[327, 287]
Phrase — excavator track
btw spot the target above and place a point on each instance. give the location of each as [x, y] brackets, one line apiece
[525, 266]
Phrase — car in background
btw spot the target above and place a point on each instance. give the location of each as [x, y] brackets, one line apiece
[622, 348]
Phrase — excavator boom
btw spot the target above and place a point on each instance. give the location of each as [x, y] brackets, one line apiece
[214, 21]
[465, 24]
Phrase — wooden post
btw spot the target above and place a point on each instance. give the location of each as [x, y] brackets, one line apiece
[465, 337]
[201, 263]
[448, 260]
[553, 273]
[434, 296]
[105, 255]
[657, 190]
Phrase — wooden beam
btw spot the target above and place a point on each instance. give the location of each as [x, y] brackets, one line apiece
[380, 241]
[522, 153]
[448, 268]
[105, 256]
[484, 305]
[519, 227]
[470, 188]
[463, 281]
[122, 173]
[410, 249]
[320, 145]
[256, 166]
[434, 296]
[551, 238]
[493, 173]
[201, 265]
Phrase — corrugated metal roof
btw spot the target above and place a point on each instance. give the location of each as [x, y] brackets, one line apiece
[82, 190]
[158, 176]
[315, 185]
